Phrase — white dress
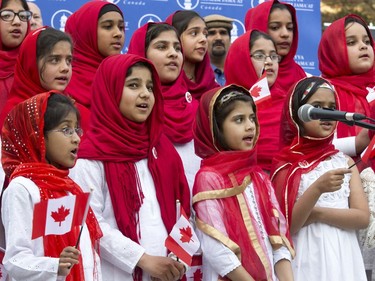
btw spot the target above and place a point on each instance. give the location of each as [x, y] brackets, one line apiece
[24, 258]
[220, 260]
[324, 252]
[120, 254]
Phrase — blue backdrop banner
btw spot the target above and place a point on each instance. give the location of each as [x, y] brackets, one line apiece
[138, 12]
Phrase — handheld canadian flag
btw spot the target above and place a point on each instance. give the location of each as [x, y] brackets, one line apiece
[182, 240]
[369, 152]
[58, 216]
[3, 273]
[261, 92]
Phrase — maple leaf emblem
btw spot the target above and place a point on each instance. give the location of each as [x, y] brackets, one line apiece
[198, 275]
[255, 92]
[60, 215]
[186, 234]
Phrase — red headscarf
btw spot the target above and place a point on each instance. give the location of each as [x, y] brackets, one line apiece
[204, 75]
[240, 165]
[302, 156]
[82, 26]
[334, 65]
[23, 154]
[244, 74]
[179, 106]
[7, 62]
[289, 71]
[120, 143]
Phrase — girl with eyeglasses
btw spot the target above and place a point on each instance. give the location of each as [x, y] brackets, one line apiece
[40, 140]
[14, 25]
[258, 55]
[279, 20]
[242, 231]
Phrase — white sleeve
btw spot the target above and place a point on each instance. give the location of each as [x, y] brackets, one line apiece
[280, 254]
[115, 248]
[24, 258]
[346, 145]
[221, 258]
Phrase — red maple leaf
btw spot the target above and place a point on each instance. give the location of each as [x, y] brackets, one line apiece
[186, 234]
[255, 92]
[60, 215]
[198, 275]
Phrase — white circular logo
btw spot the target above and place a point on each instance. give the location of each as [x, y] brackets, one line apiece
[59, 18]
[113, 1]
[188, 4]
[148, 18]
[255, 3]
[237, 30]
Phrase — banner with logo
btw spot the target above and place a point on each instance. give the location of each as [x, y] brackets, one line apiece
[138, 12]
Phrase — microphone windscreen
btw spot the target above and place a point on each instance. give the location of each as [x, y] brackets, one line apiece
[304, 112]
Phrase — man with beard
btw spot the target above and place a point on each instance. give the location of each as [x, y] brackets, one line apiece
[219, 28]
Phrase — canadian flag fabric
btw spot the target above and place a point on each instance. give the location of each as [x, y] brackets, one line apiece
[3, 273]
[369, 152]
[182, 241]
[194, 273]
[58, 216]
[261, 92]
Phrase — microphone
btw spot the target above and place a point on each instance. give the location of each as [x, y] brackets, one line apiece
[307, 113]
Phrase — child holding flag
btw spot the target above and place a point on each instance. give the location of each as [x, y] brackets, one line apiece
[241, 229]
[40, 139]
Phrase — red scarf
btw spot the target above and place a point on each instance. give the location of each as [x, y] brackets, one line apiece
[7, 62]
[289, 71]
[244, 74]
[334, 65]
[300, 157]
[82, 26]
[120, 143]
[23, 154]
[240, 164]
[204, 75]
[179, 110]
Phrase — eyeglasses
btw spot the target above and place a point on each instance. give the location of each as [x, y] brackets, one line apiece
[68, 132]
[263, 57]
[9, 15]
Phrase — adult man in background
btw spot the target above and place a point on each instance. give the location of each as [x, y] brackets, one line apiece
[219, 28]
[36, 20]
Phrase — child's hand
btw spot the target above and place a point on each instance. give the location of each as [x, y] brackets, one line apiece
[68, 257]
[331, 180]
[162, 268]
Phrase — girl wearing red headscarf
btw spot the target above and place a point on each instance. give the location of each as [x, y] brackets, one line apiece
[242, 231]
[322, 199]
[40, 139]
[279, 20]
[134, 169]
[13, 29]
[192, 31]
[257, 53]
[346, 58]
[43, 64]
[159, 43]
[98, 31]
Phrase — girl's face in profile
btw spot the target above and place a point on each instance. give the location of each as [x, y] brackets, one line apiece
[322, 98]
[111, 34]
[55, 69]
[61, 147]
[280, 28]
[239, 127]
[13, 32]
[194, 40]
[270, 65]
[137, 98]
[360, 50]
[165, 53]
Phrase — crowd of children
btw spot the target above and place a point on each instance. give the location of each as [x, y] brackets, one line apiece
[270, 196]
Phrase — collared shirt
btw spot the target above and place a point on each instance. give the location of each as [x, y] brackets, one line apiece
[219, 75]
